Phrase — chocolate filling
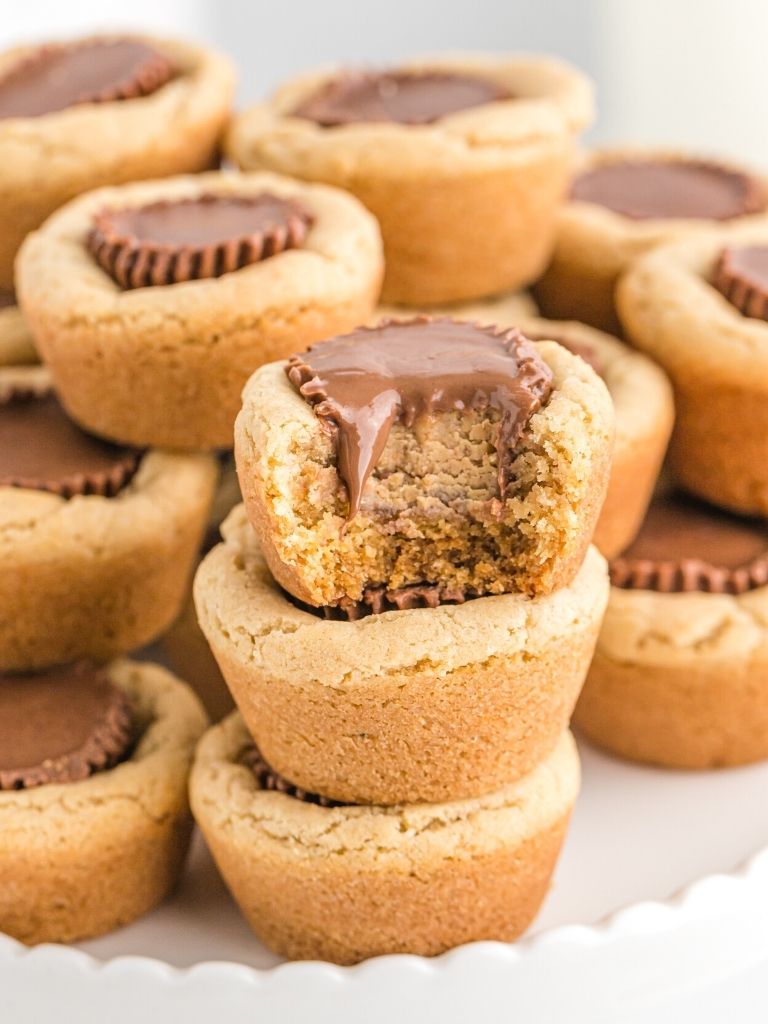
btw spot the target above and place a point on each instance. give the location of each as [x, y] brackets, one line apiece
[670, 189]
[379, 599]
[93, 71]
[361, 383]
[741, 275]
[685, 545]
[267, 778]
[172, 241]
[60, 725]
[43, 450]
[7, 298]
[404, 97]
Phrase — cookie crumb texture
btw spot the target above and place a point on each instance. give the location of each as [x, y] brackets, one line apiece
[82, 858]
[429, 511]
[347, 883]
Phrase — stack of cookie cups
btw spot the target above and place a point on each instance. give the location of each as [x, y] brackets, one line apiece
[680, 675]
[404, 609]
[97, 541]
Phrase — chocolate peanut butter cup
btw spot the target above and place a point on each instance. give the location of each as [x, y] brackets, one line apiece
[741, 275]
[686, 546]
[377, 600]
[42, 449]
[402, 97]
[170, 242]
[60, 725]
[361, 383]
[268, 779]
[55, 77]
[652, 189]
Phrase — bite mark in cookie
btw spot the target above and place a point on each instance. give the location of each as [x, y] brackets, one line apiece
[361, 383]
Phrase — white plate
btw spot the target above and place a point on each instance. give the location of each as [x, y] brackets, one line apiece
[638, 835]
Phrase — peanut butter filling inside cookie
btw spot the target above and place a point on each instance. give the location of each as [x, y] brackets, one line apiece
[55, 77]
[169, 242]
[60, 725]
[741, 275]
[670, 189]
[685, 545]
[268, 779]
[403, 97]
[361, 383]
[42, 449]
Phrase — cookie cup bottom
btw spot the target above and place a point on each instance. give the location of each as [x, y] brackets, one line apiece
[424, 704]
[680, 680]
[347, 883]
[82, 858]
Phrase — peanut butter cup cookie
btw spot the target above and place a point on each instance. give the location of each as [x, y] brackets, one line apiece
[338, 882]
[97, 541]
[420, 701]
[93, 796]
[680, 674]
[625, 203]
[99, 111]
[152, 303]
[698, 308]
[464, 160]
[424, 452]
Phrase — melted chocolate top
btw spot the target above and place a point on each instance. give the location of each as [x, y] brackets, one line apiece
[94, 71]
[404, 97]
[361, 383]
[685, 545]
[42, 449]
[670, 189]
[741, 275]
[168, 242]
[60, 725]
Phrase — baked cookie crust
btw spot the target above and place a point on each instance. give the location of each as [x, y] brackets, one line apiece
[680, 680]
[165, 365]
[50, 159]
[423, 704]
[717, 360]
[595, 245]
[505, 166]
[82, 858]
[346, 883]
[94, 577]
